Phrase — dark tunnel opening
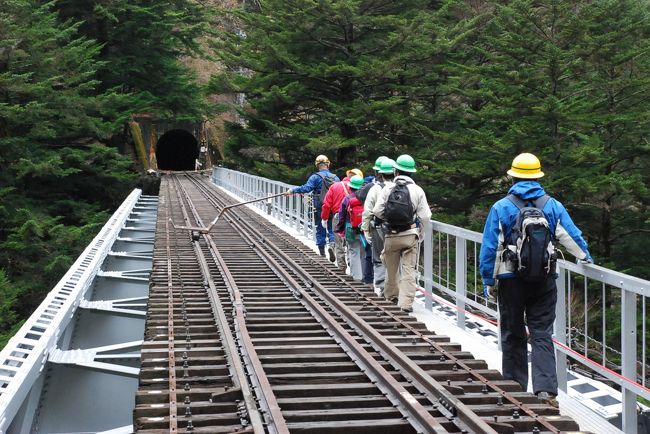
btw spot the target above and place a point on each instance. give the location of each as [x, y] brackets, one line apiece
[177, 150]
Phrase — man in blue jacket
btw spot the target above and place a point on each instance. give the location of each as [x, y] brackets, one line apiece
[314, 185]
[525, 303]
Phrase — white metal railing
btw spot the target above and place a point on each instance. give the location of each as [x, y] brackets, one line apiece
[449, 269]
[295, 211]
[26, 353]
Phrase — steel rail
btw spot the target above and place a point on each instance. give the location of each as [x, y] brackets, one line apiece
[447, 399]
[417, 415]
[171, 350]
[275, 420]
[307, 278]
[235, 365]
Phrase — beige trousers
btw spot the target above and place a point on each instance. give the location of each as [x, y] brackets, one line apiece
[400, 258]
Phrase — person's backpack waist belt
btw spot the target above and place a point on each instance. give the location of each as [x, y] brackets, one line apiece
[397, 229]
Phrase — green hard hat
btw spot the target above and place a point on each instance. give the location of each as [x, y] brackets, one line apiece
[387, 166]
[356, 182]
[378, 161]
[405, 163]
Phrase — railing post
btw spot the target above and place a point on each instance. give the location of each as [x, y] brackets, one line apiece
[560, 330]
[628, 360]
[461, 280]
[428, 267]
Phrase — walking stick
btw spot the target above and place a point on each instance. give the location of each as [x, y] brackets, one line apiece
[208, 228]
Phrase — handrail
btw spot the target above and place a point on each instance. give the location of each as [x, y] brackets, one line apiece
[450, 267]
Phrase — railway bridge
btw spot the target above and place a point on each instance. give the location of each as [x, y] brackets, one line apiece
[245, 329]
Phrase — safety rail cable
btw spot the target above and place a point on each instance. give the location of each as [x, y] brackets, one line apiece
[454, 262]
[26, 353]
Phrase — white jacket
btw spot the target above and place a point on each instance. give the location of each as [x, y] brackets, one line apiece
[369, 204]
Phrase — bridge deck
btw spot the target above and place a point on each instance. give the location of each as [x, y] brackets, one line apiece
[249, 331]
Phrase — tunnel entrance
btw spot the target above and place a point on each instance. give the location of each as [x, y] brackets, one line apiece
[177, 150]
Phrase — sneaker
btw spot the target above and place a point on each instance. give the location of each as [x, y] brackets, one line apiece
[548, 398]
[330, 253]
[407, 309]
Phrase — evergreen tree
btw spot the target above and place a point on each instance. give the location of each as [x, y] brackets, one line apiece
[324, 77]
[55, 181]
[143, 45]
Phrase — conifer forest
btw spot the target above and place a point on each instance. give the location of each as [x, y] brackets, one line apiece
[462, 85]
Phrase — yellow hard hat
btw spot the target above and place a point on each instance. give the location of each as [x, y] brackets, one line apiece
[526, 166]
[353, 172]
[322, 159]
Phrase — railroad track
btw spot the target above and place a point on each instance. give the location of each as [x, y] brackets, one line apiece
[249, 331]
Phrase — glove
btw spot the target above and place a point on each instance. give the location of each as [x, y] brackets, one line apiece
[587, 260]
[324, 223]
[488, 292]
[367, 236]
[288, 192]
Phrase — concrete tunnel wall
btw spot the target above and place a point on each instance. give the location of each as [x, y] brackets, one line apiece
[177, 150]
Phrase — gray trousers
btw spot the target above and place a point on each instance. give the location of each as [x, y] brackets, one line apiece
[524, 304]
[357, 255]
[377, 234]
[339, 246]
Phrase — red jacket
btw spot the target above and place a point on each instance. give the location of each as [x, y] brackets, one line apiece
[334, 197]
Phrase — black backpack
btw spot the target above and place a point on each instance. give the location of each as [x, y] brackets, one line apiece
[328, 181]
[362, 193]
[530, 242]
[399, 212]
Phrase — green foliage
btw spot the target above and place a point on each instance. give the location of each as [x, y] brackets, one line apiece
[463, 87]
[143, 44]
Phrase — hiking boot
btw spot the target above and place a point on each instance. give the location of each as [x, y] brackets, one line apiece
[393, 300]
[407, 309]
[330, 253]
[321, 250]
[548, 398]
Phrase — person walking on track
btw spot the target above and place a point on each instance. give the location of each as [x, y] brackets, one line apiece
[405, 213]
[318, 184]
[371, 226]
[518, 258]
[349, 227]
[330, 210]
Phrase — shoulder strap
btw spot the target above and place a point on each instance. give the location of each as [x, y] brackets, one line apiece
[540, 202]
[516, 200]
[345, 188]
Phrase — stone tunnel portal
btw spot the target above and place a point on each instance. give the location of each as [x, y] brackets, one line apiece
[177, 150]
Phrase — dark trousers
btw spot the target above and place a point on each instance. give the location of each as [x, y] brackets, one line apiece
[532, 304]
[368, 272]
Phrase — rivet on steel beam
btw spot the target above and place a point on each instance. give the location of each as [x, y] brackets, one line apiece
[454, 368]
[484, 389]
[414, 341]
[184, 355]
[186, 373]
[185, 364]
[535, 429]
[187, 399]
[499, 401]
[187, 386]
[442, 358]
[470, 380]
[188, 411]
[515, 414]
[189, 426]
[448, 382]
[496, 418]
